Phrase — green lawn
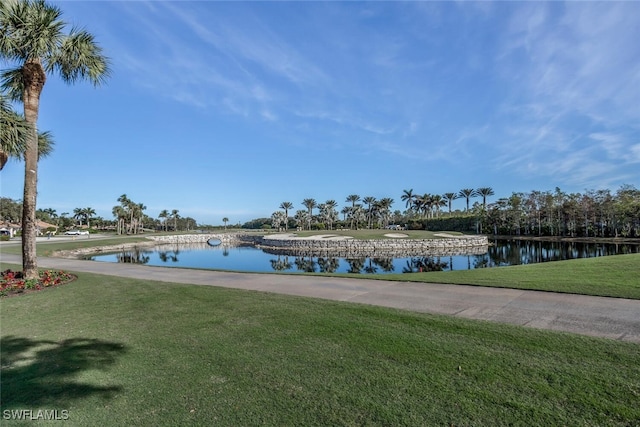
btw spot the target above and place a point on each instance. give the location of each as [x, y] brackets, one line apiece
[613, 276]
[375, 234]
[115, 351]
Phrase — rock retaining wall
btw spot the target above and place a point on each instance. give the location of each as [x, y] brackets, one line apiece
[467, 245]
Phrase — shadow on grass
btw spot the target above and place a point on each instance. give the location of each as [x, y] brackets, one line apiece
[38, 372]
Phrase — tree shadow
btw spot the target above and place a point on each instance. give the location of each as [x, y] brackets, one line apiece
[39, 372]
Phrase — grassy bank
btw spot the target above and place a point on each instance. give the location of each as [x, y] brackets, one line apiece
[116, 351]
[612, 276]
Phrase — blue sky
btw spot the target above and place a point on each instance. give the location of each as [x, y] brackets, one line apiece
[227, 109]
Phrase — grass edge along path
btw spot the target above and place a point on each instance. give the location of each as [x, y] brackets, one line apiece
[117, 351]
[608, 276]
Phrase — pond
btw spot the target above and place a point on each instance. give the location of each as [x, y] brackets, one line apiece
[251, 259]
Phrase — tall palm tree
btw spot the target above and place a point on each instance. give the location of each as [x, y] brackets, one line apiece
[408, 197]
[484, 192]
[329, 212]
[309, 204]
[450, 197]
[32, 37]
[175, 216]
[88, 214]
[163, 215]
[467, 193]
[286, 206]
[353, 198]
[79, 215]
[225, 220]
[370, 202]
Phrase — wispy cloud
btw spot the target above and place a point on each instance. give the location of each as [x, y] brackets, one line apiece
[573, 69]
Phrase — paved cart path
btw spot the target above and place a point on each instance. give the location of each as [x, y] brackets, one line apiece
[614, 318]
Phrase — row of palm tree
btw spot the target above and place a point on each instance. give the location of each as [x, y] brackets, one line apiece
[371, 212]
[34, 42]
[84, 214]
[129, 216]
[429, 204]
[165, 215]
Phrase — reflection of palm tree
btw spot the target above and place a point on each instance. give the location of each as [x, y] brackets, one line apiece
[355, 265]
[370, 268]
[423, 265]
[328, 265]
[306, 265]
[385, 263]
[134, 256]
[281, 264]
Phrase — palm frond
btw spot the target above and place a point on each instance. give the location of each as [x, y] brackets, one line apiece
[79, 56]
[12, 84]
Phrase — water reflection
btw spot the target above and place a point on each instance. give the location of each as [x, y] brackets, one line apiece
[251, 259]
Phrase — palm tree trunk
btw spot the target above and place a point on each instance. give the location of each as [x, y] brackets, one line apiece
[34, 78]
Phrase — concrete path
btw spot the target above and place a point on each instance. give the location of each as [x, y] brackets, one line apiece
[614, 318]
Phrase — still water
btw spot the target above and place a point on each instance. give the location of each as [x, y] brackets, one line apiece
[251, 259]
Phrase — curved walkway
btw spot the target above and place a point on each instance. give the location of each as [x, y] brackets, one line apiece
[614, 318]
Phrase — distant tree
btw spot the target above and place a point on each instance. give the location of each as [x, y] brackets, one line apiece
[467, 193]
[449, 198]
[225, 220]
[286, 206]
[484, 192]
[310, 204]
[352, 198]
[175, 216]
[164, 215]
[408, 197]
[370, 202]
[277, 218]
[329, 213]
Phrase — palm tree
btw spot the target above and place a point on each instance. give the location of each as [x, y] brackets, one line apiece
[175, 216]
[329, 212]
[369, 201]
[163, 215]
[286, 206]
[309, 204]
[437, 202]
[467, 193]
[32, 37]
[353, 198]
[484, 192]
[13, 135]
[384, 210]
[225, 220]
[408, 197]
[449, 197]
[79, 215]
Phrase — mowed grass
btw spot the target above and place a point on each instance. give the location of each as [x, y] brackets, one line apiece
[115, 351]
[376, 234]
[51, 246]
[611, 276]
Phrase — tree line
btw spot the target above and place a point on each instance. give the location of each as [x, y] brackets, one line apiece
[594, 213]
